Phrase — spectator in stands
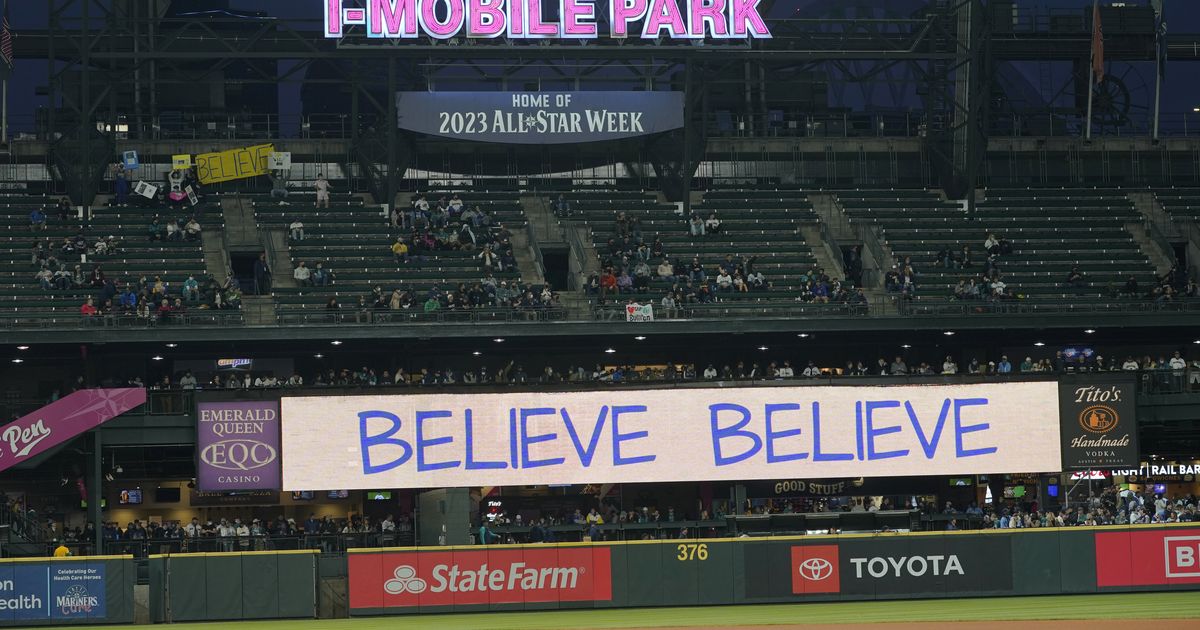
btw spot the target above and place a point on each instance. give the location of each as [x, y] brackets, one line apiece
[696, 225]
[173, 231]
[712, 225]
[561, 207]
[296, 230]
[1004, 367]
[191, 230]
[949, 367]
[190, 290]
[279, 189]
[400, 251]
[37, 220]
[991, 244]
[724, 281]
[964, 258]
[121, 189]
[65, 210]
[89, 308]
[1075, 279]
[323, 187]
[608, 283]
[44, 277]
[155, 231]
[321, 276]
[262, 275]
[302, 274]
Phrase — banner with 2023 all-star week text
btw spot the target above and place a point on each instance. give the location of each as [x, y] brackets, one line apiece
[539, 117]
[626, 436]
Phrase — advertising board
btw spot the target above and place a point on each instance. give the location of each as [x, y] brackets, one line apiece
[624, 436]
[238, 445]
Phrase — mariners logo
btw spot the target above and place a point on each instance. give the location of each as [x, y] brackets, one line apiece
[76, 601]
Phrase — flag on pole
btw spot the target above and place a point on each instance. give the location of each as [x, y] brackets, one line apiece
[1097, 45]
[6, 46]
[1160, 37]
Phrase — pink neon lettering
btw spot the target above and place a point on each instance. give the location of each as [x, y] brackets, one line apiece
[707, 15]
[622, 12]
[442, 30]
[743, 14]
[572, 11]
[663, 14]
[392, 18]
[333, 17]
[493, 11]
[538, 28]
[516, 19]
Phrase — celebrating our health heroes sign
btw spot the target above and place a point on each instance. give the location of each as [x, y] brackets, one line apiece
[61, 591]
[424, 441]
[238, 445]
[539, 117]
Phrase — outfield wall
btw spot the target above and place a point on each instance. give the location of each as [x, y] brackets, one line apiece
[66, 591]
[233, 586]
[761, 570]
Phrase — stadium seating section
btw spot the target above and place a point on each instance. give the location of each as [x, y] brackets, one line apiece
[1051, 232]
[762, 223]
[1181, 203]
[353, 241]
[138, 257]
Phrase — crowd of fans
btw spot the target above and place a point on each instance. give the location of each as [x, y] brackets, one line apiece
[630, 263]
[422, 230]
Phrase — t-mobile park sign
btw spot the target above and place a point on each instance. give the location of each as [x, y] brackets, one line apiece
[539, 117]
[525, 19]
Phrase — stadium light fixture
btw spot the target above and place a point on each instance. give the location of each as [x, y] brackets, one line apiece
[476, 353]
[802, 335]
[157, 357]
[949, 333]
[609, 350]
[906, 346]
[336, 342]
[1196, 341]
[318, 356]
[18, 360]
[172, 345]
[763, 348]
[640, 338]
[1039, 343]
[22, 348]
[1089, 330]
[499, 340]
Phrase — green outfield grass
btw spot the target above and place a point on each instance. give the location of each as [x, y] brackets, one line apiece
[1177, 605]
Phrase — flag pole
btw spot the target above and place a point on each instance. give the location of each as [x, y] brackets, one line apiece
[1157, 92]
[4, 122]
[1159, 51]
[1091, 74]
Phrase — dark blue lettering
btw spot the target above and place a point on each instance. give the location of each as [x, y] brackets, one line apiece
[872, 432]
[773, 435]
[366, 442]
[719, 433]
[619, 437]
[470, 438]
[960, 429]
[512, 438]
[818, 456]
[585, 454]
[423, 444]
[527, 439]
[928, 445]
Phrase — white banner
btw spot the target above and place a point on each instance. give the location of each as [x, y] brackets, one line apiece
[628, 436]
[146, 190]
[279, 161]
[639, 313]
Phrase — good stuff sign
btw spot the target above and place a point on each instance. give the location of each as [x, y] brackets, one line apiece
[627, 436]
[239, 445]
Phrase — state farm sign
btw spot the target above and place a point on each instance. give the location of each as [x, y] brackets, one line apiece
[484, 576]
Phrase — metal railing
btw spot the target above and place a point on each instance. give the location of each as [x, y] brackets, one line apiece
[720, 310]
[58, 320]
[971, 308]
[352, 317]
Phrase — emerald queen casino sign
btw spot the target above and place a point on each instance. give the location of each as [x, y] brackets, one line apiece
[524, 19]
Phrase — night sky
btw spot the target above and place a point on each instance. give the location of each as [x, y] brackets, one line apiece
[1180, 93]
